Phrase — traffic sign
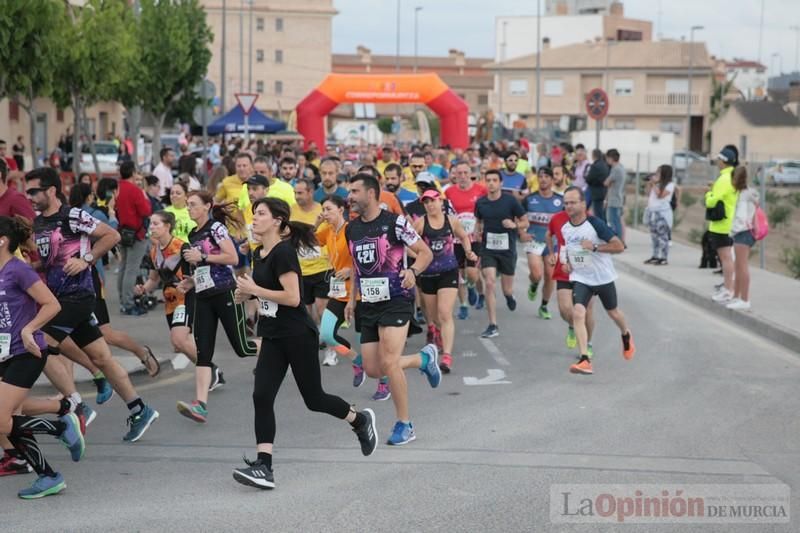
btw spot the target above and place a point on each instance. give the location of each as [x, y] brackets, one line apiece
[597, 104]
[246, 101]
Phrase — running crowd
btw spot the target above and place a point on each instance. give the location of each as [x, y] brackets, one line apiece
[286, 249]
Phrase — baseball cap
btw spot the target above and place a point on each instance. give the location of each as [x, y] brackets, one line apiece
[431, 193]
[727, 155]
[258, 179]
[426, 177]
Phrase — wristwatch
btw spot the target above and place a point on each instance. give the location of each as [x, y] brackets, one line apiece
[88, 257]
[203, 256]
[594, 248]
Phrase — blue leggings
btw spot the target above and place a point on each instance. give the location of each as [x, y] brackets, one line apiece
[332, 319]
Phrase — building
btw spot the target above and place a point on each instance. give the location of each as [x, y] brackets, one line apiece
[280, 49]
[647, 84]
[467, 77]
[763, 130]
[578, 7]
[515, 35]
[749, 78]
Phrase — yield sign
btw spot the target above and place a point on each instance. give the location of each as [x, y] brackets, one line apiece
[246, 101]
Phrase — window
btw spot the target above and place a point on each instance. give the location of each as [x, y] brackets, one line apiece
[60, 115]
[279, 56]
[678, 86]
[625, 124]
[518, 87]
[260, 56]
[483, 99]
[672, 126]
[278, 24]
[260, 23]
[13, 111]
[259, 86]
[278, 87]
[553, 87]
[623, 87]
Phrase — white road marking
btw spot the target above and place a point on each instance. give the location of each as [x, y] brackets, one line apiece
[495, 376]
[495, 352]
[469, 353]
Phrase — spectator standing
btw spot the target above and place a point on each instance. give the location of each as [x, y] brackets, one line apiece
[133, 209]
[720, 200]
[659, 213]
[743, 239]
[595, 181]
[18, 150]
[10, 162]
[163, 170]
[615, 198]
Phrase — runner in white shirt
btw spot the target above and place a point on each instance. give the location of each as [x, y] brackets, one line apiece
[589, 245]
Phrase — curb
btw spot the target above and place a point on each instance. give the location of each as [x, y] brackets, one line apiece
[785, 337]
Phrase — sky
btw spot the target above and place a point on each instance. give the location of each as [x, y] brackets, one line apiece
[731, 27]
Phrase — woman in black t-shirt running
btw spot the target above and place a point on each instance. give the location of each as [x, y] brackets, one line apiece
[289, 337]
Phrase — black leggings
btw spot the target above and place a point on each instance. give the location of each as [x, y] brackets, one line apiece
[207, 312]
[275, 357]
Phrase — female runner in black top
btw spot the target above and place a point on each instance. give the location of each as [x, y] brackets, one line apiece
[289, 338]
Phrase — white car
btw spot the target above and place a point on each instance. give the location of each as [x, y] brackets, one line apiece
[107, 154]
[787, 173]
[681, 160]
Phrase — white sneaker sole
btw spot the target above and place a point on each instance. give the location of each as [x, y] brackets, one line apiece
[411, 439]
[146, 427]
[244, 479]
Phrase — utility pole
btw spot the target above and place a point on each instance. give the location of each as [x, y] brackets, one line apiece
[241, 46]
[397, 50]
[222, 62]
[250, 51]
[796, 30]
[502, 59]
[538, 63]
[416, 36]
[689, 94]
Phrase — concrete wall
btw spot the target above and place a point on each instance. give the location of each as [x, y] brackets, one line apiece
[763, 143]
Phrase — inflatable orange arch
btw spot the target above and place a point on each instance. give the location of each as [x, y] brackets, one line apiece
[428, 89]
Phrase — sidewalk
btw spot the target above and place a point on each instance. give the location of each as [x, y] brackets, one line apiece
[775, 299]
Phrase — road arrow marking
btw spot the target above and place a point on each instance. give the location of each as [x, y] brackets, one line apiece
[495, 376]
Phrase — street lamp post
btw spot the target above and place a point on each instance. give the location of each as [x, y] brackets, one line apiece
[538, 64]
[416, 35]
[397, 50]
[796, 30]
[689, 92]
[780, 63]
[500, 77]
[222, 62]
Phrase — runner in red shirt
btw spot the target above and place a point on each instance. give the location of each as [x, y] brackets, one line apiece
[563, 285]
[462, 197]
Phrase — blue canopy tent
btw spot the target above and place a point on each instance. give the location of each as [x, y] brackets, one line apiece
[233, 122]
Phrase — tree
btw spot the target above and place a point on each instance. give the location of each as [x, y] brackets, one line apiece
[173, 55]
[385, 125]
[30, 33]
[99, 49]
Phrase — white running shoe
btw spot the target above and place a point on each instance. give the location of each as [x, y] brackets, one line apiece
[723, 296]
[738, 305]
[330, 358]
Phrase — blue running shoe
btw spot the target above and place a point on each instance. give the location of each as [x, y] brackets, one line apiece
[401, 434]
[472, 295]
[104, 391]
[43, 486]
[420, 317]
[463, 312]
[140, 423]
[481, 301]
[72, 436]
[432, 368]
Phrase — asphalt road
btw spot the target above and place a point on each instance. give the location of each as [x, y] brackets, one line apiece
[701, 403]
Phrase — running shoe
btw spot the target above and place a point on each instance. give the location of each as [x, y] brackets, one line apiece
[217, 379]
[43, 486]
[71, 437]
[86, 415]
[463, 312]
[194, 411]
[133, 311]
[584, 366]
[430, 337]
[738, 304]
[367, 433]
[532, 291]
[10, 465]
[330, 358]
[481, 302]
[345, 325]
[431, 370]
[446, 363]
[420, 316]
[437, 340]
[104, 390]
[544, 313]
[628, 348]
[255, 475]
[358, 376]
[572, 340]
[472, 295]
[382, 393]
[401, 434]
[139, 423]
[723, 296]
[511, 302]
[490, 332]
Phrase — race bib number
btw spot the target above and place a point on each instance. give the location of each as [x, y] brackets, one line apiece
[467, 222]
[202, 279]
[267, 308]
[374, 290]
[5, 345]
[497, 241]
[179, 315]
[534, 247]
[580, 258]
[337, 288]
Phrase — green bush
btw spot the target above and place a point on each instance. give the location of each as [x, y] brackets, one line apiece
[779, 214]
[772, 197]
[688, 199]
[629, 221]
[696, 235]
[794, 199]
[385, 125]
[791, 258]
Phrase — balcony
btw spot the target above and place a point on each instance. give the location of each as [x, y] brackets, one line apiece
[670, 99]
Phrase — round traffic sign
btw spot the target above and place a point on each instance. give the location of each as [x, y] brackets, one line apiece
[597, 104]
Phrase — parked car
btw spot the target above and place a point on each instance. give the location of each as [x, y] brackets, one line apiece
[787, 173]
[107, 153]
[683, 159]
